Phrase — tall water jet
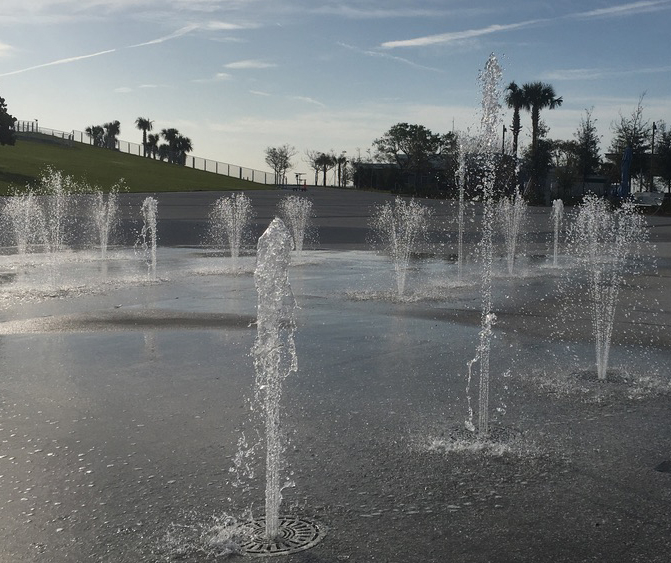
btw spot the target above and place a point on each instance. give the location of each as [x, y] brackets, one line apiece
[605, 244]
[25, 217]
[296, 213]
[401, 227]
[230, 222]
[489, 125]
[557, 217]
[148, 234]
[105, 217]
[461, 182]
[511, 215]
[274, 353]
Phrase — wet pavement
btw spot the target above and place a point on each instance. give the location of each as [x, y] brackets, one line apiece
[123, 401]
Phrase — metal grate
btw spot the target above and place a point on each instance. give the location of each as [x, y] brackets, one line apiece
[296, 534]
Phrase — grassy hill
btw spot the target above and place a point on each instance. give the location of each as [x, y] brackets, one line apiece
[23, 164]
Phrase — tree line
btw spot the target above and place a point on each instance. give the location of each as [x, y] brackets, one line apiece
[174, 149]
[410, 158]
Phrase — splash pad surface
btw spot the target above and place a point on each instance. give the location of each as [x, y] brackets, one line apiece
[121, 404]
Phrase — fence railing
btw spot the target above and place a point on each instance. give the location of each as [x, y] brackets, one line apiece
[195, 162]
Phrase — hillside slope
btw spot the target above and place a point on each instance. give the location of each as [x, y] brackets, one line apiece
[23, 164]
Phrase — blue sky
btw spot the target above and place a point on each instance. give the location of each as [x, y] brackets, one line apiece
[237, 76]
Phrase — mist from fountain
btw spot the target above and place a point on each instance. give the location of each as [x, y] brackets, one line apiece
[606, 245]
[557, 216]
[296, 212]
[148, 237]
[400, 228]
[230, 222]
[511, 214]
[274, 354]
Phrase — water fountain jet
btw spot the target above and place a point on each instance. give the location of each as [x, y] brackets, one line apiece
[557, 217]
[401, 226]
[296, 212]
[605, 243]
[148, 234]
[230, 222]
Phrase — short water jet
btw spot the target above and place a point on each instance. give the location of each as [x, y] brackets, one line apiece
[296, 212]
[230, 222]
[401, 227]
[557, 217]
[105, 217]
[511, 214]
[605, 243]
[148, 238]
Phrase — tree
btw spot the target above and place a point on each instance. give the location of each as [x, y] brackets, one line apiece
[415, 149]
[152, 145]
[587, 142]
[97, 135]
[538, 96]
[325, 162]
[170, 136]
[564, 158]
[112, 129]
[515, 101]
[183, 145]
[663, 154]
[635, 132]
[145, 125]
[7, 135]
[311, 158]
[341, 162]
[279, 159]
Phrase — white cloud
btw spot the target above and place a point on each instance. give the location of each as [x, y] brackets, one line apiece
[59, 62]
[625, 9]
[249, 64]
[378, 54]
[600, 73]
[456, 36]
[123, 90]
[219, 77]
[307, 100]
[5, 50]
[259, 93]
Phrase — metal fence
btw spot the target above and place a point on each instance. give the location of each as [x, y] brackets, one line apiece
[195, 162]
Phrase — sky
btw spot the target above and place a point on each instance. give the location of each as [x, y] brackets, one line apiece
[239, 76]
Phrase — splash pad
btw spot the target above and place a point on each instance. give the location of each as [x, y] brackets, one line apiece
[121, 403]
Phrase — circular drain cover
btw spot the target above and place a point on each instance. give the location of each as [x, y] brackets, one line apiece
[296, 534]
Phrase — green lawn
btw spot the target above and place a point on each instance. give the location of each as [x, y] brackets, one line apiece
[24, 163]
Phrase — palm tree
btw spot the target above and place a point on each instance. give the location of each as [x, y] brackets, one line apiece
[538, 96]
[96, 133]
[151, 146]
[144, 124]
[170, 136]
[183, 145]
[325, 163]
[515, 101]
[112, 129]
